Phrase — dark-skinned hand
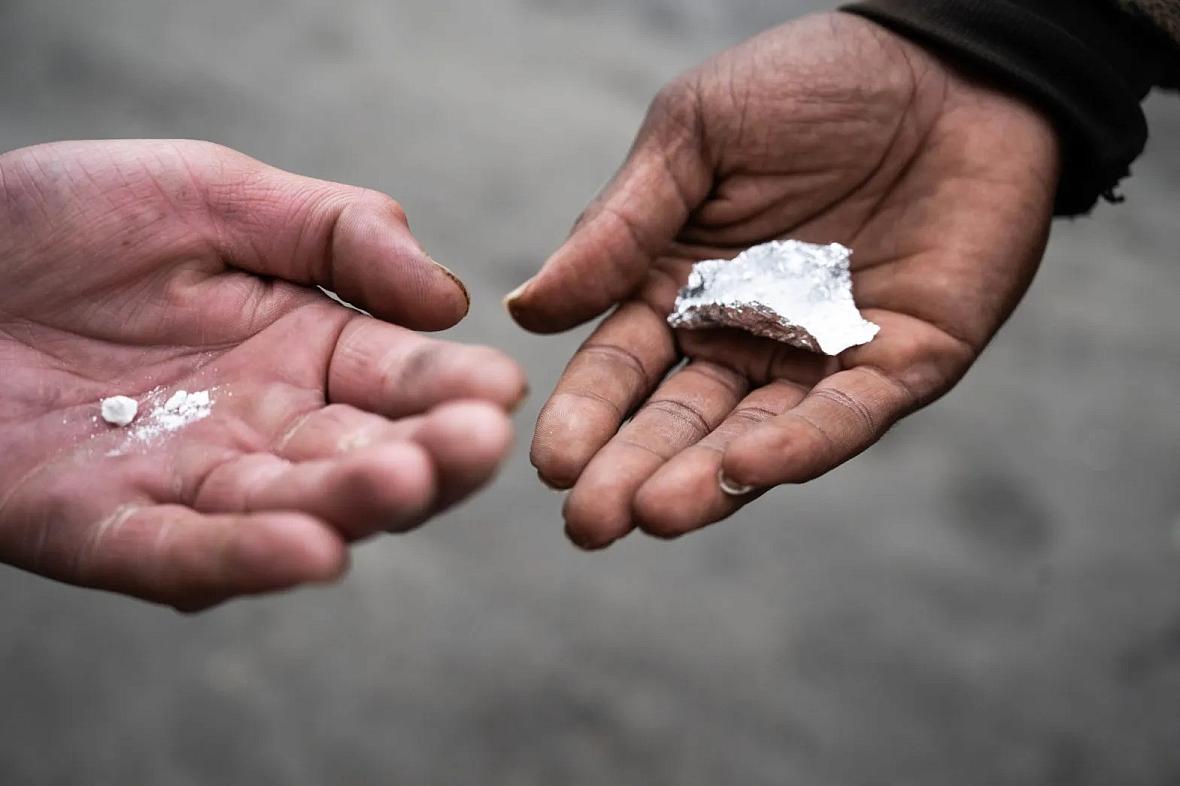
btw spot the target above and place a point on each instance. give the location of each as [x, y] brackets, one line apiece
[830, 129]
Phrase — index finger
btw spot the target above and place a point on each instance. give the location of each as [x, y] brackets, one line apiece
[617, 367]
[617, 239]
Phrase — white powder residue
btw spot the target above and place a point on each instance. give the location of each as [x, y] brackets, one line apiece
[181, 409]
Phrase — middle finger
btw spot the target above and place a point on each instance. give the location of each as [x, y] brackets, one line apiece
[684, 410]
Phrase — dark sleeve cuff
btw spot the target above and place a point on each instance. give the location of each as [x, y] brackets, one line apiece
[1086, 64]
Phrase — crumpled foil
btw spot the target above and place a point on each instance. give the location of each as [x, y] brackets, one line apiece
[797, 293]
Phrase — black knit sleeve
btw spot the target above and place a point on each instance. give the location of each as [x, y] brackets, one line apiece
[1088, 65]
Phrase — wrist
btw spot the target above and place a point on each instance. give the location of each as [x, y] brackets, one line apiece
[1085, 65]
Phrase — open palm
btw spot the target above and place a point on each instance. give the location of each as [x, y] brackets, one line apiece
[826, 130]
[146, 268]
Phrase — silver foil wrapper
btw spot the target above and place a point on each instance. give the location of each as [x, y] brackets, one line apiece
[797, 293]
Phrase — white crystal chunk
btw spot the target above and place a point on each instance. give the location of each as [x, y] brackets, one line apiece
[119, 410]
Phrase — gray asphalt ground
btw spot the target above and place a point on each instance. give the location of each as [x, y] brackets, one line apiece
[992, 596]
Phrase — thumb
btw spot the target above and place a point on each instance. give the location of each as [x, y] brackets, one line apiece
[627, 226]
[352, 241]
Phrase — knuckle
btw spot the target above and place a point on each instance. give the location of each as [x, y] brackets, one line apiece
[675, 110]
[383, 203]
[674, 99]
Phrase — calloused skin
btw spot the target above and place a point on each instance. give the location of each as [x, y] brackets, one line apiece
[829, 129]
[133, 267]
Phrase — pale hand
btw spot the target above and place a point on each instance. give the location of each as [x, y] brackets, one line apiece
[132, 267]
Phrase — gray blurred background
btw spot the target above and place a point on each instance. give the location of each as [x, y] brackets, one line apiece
[992, 596]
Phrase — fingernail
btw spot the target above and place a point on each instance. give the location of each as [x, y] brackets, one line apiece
[516, 294]
[732, 488]
[458, 281]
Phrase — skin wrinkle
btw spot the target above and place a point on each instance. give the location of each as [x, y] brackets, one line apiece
[339, 349]
[643, 447]
[753, 414]
[257, 478]
[679, 106]
[732, 381]
[169, 194]
[914, 400]
[604, 282]
[45, 178]
[887, 151]
[93, 183]
[858, 409]
[196, 183]
[701, 229]
[673, 176]
[280, 445]
[621, 354]
[683, 412]
[844, 195]
[739, 99]
[904, 173]
[832, 446]
[593, 395]
[325, 272]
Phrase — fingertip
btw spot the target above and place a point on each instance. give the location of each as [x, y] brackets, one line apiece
[486, 374]
[556, 299]
[513, 298]
[556, 470]
[756, 461]
[582, 542]
[520, 307]
[378, 264]
[452, 301]
[553, 486]
[483, 430]
[596, 515]
[501, 380]
[565, 441]
[670, 509]
[292, 548]
[397, 483]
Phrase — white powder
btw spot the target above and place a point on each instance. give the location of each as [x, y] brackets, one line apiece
[119, 410]
[180, 410]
